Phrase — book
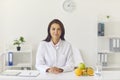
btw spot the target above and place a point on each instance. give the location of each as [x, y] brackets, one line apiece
[29, 74]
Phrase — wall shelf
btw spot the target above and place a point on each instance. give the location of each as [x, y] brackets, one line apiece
[21, 59]
[108, 53]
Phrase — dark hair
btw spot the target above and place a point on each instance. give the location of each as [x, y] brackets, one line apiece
[48, 38]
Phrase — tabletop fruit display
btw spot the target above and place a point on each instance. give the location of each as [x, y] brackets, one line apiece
[82, 70]
[90, 71]
[78, 71]
[81, 66]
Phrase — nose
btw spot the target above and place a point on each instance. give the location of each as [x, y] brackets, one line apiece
[56, 31]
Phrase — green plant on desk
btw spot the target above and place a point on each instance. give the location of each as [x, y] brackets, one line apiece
[18, 42]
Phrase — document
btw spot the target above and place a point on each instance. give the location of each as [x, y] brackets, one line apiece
[29, 74]
[10, 73]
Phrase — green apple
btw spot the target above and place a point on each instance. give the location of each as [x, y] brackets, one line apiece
[81, 66]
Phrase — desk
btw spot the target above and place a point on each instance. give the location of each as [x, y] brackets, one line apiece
[107, 75]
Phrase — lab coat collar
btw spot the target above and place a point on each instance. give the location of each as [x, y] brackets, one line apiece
[57, 45]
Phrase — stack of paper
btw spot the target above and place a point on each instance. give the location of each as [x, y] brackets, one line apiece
[29, 74]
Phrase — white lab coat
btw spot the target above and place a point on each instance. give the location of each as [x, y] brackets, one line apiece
[50, 55]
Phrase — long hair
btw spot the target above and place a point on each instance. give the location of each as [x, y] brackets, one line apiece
[48, 38]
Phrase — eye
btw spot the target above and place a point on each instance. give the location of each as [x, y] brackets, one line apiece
[58, 29]
[53, 28]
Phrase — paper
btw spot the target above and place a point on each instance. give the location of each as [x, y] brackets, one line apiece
[29, 74]
[9, 73]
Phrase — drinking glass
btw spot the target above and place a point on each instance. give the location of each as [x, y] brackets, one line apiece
[98, 70]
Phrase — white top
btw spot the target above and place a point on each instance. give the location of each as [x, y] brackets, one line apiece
[50, 55]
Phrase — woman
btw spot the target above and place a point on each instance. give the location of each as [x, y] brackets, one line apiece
[54, 54]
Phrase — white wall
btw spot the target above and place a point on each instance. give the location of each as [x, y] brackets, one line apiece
[30, 18]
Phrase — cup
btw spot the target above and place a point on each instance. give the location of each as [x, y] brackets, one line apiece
[98, 70]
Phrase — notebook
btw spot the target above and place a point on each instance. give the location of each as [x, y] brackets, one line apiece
[29, 74]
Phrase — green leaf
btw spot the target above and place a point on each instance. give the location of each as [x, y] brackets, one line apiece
[19, 41]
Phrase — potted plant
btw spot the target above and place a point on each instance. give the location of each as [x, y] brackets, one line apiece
[18, 42]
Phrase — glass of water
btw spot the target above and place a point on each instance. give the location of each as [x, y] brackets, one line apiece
[98, 70]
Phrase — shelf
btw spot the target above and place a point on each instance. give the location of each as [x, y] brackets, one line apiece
[21, 65]
[107, 51]
[20, 59]
[15, 51]
[24, 48]
[112, 66]
[110, 36]
[108, 47]
[104, 51]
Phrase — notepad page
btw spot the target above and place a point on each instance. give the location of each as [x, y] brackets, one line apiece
[10, 73]
[29, 74]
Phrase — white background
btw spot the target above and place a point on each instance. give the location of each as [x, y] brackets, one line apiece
[30, 18]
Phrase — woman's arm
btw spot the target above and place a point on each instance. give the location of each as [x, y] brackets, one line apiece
[69, 66]
[40, 63]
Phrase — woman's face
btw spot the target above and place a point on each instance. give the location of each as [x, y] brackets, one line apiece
[55, 31]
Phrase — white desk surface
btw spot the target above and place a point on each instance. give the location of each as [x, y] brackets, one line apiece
[106, 75]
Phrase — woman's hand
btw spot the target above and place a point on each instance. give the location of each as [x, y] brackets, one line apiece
[54, 70]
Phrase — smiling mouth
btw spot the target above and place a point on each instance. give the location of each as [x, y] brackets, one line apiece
[56, 34]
